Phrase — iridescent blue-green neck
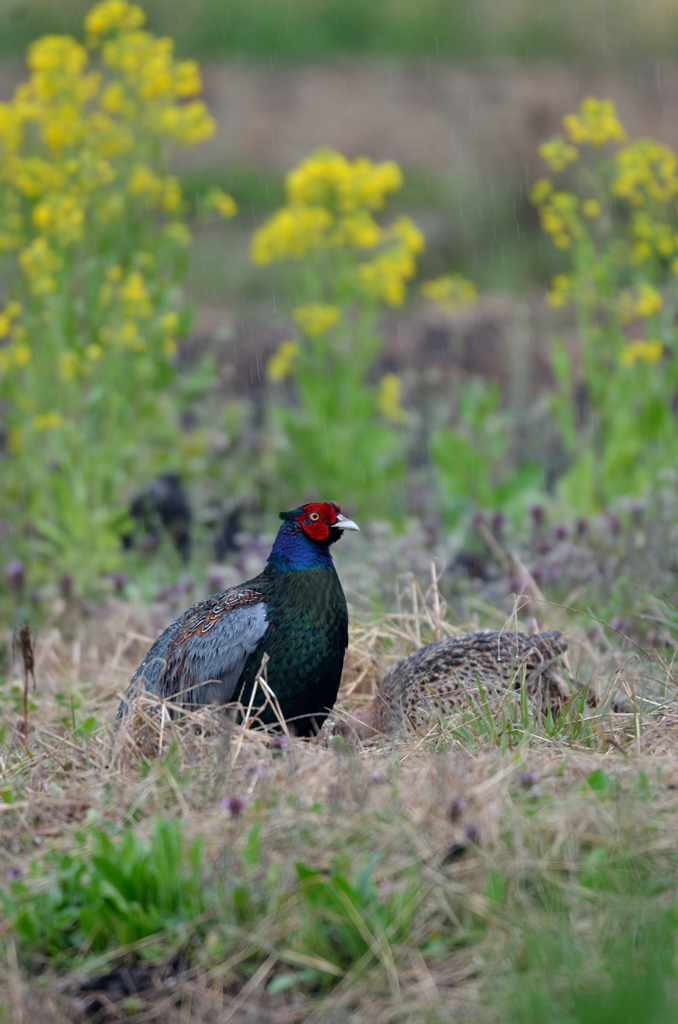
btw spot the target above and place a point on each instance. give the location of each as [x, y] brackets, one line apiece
[293, 550]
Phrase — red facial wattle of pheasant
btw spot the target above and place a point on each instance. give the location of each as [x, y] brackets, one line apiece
[294, 611]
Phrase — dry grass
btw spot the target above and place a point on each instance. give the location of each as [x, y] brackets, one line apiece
[320, 800]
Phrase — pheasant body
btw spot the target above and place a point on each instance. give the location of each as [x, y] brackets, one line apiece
[437, 676]
[294, 611]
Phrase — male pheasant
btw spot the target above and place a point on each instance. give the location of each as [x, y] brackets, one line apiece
[437, 676]
[294, 611]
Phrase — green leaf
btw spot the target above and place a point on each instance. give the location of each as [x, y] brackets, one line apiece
[599, 781]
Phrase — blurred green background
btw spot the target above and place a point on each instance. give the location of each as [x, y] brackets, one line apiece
[607, 30]
[460, 94]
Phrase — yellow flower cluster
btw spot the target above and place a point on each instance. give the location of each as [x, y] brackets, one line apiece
[646, 173]
[642, 351]
[292, 232]
[591, 208]
[330, 204]
[653, 238]
[621, 222]
[452, 292]
[389, 397]
[113, 16]
[8, 315]
[220, 201]
[594, 124]
[47, 421]
[87, 123]
[647, 301]
[384, 277]
[316, 318]
[87, 210]
[328, 179]
[560, 291]
[281, 363]
[558, 153]
[40, 265]
[558, 212]
[14, 352]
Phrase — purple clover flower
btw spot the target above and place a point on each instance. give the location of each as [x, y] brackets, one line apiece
[15, 573]
[234, 804]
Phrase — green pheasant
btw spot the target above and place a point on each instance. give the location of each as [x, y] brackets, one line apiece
[294, 611]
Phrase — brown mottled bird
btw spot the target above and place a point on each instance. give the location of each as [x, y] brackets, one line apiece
[438, 675]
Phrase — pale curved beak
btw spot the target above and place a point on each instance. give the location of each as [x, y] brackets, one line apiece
[343, 523]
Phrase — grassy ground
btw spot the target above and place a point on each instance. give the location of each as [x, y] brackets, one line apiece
[500, 867]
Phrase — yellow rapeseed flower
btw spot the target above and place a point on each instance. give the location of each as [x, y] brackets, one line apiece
[69, 365]
[540, 191]
[178, 233]
[4, 325]
[61, 217]
[130, 338]
[21, 355]
[591, 208]
[47, 421]
[135, 297]
[60, 54]
[143, 181]
[595, 123]
[452, 291]
[558, 212]
[330, 204]
[558, 153]
[388, 399]
[359, 229]
[316, 318]
[293, 231]
[114, 99]
[34, 176]
[640, 253]
[169, 346]
[384, 277]
[113, 16]
[649, 300]
[406, 231]
[646, 171]
[94, 352]
[189, 124]
[220, 201]
[281, 363]
[171, 194]
[643, 351]
[329, 179]
[561, 286]
[187, 80]
[169, 323]
[40, 263]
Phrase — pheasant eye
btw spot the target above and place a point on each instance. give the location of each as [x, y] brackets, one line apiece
[314, 516]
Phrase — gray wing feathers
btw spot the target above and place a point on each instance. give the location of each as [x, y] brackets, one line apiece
[199, 658]
[214, 665]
